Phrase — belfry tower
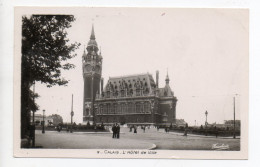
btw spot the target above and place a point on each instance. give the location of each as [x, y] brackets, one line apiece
[92, 70]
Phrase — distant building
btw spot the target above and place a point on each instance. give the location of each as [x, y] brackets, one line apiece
[180, 122]
[133, 99]
[53, 119]
[230, 124]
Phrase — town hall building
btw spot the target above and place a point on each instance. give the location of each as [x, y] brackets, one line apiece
[132, 99]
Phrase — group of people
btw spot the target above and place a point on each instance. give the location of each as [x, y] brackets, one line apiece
[133, 127]
[167, 129]
[116, 131]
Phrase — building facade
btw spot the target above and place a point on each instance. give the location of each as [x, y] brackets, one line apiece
[134, 99]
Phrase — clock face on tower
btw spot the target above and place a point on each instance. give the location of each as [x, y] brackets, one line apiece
[88, 68]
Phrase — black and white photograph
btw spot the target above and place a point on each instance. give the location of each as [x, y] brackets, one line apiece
[131, 82]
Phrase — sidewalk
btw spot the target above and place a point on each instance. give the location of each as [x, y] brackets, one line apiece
[90, 141]
[202, 136]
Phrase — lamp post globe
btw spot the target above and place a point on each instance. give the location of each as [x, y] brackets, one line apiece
[43, 122]
[206, 123]
[206, 113]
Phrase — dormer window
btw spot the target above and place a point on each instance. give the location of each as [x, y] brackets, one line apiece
[138, 92]
[122, 93]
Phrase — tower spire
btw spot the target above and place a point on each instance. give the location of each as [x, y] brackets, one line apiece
[92, 36]
[167, 78]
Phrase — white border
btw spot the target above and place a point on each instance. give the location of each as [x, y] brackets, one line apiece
[6, 83]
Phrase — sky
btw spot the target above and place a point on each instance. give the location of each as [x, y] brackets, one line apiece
[204, 50]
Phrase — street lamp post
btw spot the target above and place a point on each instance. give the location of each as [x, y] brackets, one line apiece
[206, 123]
[43, 122]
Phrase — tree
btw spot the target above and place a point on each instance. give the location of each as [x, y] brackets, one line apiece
[45, 50]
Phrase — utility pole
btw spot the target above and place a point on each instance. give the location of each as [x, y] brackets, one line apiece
[234, 135]
[206, 123]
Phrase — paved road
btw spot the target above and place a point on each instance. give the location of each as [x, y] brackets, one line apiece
[129, 140]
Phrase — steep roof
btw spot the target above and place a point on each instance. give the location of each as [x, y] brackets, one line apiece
[133, 81]
[166, 91]
[92, 41]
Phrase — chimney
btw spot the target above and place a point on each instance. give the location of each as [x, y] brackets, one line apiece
[102, 82]
[157, 79]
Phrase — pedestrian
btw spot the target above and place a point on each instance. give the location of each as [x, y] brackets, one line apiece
[135, 129]
[118, 131]
[131, 127]
[31, 135]
[158, 128]
[114, 131]
[216, 131]
[144, 129]
[186, 130]
[167, 129]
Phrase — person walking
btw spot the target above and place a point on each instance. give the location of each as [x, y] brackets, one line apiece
[114, 131]
[135, 129]
[186, 130]
[216, 131]
[144, 129]
[118, 131]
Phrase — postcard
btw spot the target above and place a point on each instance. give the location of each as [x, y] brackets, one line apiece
[116, 82]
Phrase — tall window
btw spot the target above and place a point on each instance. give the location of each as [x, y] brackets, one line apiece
[122, 93]
[142, 108]
[123, 108]
[101, 109]
[112, 109]
[108, 109]
[130, 108]
[118, 108]
[146, 107]
[108, 94]
[138, 107]
[115, 108]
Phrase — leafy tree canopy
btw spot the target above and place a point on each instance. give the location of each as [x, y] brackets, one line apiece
[45, 51]
[44, 48]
